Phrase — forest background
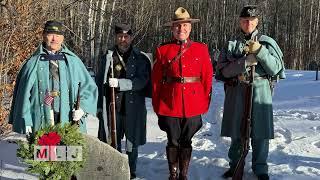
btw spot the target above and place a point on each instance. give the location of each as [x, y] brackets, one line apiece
[294, 24]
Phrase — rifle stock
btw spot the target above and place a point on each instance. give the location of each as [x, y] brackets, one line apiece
[245, 128]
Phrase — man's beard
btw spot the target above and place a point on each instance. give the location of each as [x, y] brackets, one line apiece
[123, 49]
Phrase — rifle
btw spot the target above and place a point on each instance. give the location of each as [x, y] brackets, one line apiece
[77, 105]
[112, 110]
[245, 127]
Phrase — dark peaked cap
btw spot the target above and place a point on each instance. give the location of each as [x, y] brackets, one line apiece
[250, 11]
[53, 26]
[123, 28]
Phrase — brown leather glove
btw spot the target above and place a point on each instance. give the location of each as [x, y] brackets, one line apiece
[252, 47]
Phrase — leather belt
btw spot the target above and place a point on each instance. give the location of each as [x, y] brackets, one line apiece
[239, 79]
[242, 77]
[182, 79]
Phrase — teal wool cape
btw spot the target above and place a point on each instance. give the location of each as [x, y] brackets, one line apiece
[232, 63]
[28, 107]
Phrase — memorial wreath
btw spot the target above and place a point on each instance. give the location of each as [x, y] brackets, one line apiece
[55, 152]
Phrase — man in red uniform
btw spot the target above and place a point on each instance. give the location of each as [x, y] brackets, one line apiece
[181, 81]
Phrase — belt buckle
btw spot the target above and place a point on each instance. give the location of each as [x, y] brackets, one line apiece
[55, 93]
[182, 80]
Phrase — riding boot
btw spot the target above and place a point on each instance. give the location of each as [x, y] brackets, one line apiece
[172, 156]
[184, 160]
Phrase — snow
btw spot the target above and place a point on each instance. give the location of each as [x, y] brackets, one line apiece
[294, 153]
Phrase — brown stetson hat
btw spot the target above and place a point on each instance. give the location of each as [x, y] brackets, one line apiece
[181, 15]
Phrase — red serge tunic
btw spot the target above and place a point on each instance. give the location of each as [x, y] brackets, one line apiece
[177, 99]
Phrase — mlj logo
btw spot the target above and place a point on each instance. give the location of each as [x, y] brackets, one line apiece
[57, 153]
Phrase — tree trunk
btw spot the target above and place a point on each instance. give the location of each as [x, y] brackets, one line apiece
[98, 31]
[108, 27]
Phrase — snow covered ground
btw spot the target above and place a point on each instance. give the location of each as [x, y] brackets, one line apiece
[294, 153]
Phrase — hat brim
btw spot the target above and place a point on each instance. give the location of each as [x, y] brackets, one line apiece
[53, 32]
[168, 24]
[249, 16]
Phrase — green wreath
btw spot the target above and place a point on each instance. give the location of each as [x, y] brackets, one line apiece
[58, 135]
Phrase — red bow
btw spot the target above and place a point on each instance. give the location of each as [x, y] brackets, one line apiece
[50, 139]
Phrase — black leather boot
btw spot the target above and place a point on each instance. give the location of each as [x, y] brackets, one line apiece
[228, 174]
[184, 160]
[172, 156]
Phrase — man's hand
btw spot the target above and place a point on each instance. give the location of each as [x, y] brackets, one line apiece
[28, 130]
[113, 82]
[251, 60]
[77, 114]
[252, 47]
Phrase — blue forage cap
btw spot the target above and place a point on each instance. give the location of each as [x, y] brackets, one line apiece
[250, 11]
[54, 27]
[123, 28]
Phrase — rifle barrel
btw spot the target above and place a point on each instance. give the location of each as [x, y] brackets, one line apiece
[245, 128]
[113, 120]
[77, 105]
[113, 112]
[78, 97]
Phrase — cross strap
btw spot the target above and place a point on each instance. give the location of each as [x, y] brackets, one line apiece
[181, 52]
[121, 60]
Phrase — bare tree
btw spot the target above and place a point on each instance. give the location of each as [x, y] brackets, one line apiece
[293, 24]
